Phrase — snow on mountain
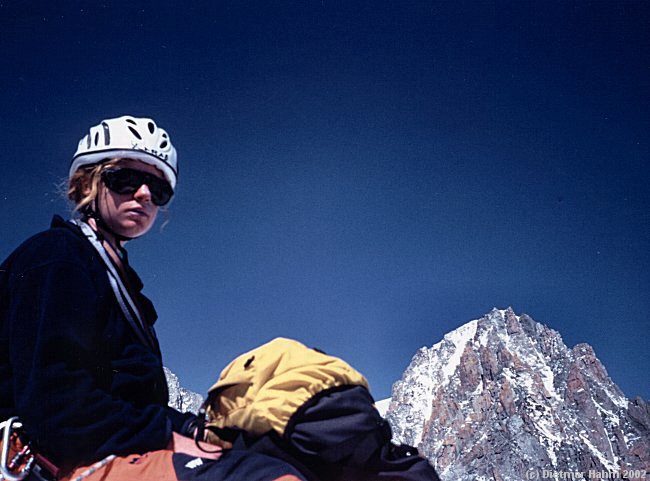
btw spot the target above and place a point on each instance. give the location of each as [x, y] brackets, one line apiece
[180, 398]
[382, 406]
[503, 396]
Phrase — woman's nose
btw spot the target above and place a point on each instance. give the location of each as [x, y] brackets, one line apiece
[143, 193]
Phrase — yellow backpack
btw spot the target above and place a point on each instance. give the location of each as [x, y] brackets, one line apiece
[260, 390]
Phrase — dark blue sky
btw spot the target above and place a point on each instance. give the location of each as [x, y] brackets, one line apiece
[361, 176]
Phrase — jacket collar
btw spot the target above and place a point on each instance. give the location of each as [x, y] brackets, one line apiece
[59, 223]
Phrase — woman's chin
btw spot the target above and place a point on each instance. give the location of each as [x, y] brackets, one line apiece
[135, 225]
[134, 229]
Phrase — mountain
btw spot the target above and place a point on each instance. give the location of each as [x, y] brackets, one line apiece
[504, 398]
[180, 398]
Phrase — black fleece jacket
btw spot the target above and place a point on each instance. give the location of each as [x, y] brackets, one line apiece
[71, 366]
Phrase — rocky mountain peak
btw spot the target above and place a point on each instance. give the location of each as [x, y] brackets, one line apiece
[503, 395]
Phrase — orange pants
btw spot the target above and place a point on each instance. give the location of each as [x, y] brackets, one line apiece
[164, 465]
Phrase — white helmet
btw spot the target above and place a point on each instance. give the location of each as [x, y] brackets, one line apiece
[129, 137]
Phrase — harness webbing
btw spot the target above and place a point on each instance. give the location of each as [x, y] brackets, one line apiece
[121, 292]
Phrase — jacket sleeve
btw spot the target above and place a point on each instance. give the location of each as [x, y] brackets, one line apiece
[55, 351]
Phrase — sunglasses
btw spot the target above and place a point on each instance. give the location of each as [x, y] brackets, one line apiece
[128, 181]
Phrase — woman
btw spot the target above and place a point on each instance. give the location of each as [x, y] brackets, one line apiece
[79, 361]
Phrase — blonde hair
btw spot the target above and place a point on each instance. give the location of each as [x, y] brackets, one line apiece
[83, 186]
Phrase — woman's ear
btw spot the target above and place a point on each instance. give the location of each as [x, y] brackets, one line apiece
[87, 186]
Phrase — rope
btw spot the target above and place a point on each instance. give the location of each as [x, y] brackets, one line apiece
[95, 467]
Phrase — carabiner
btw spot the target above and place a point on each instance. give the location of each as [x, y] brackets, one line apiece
[6, 473]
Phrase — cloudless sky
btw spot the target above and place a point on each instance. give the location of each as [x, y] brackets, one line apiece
[363, 176]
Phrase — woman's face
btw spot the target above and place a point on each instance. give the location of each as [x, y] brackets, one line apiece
[129, 215]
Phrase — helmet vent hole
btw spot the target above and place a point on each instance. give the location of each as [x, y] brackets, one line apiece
[135, 132]
[131, 121]
[163, 144]
[164, 136]
[96, 138]
[107, 134]
[152, 127]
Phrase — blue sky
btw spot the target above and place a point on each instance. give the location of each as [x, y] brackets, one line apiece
[361, 176]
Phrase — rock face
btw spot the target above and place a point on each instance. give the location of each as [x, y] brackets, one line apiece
[180, 398]
[503, 396]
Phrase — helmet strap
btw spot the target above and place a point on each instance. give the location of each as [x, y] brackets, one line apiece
[94, 213]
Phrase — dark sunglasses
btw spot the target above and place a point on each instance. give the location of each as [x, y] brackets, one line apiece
[127, 181]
